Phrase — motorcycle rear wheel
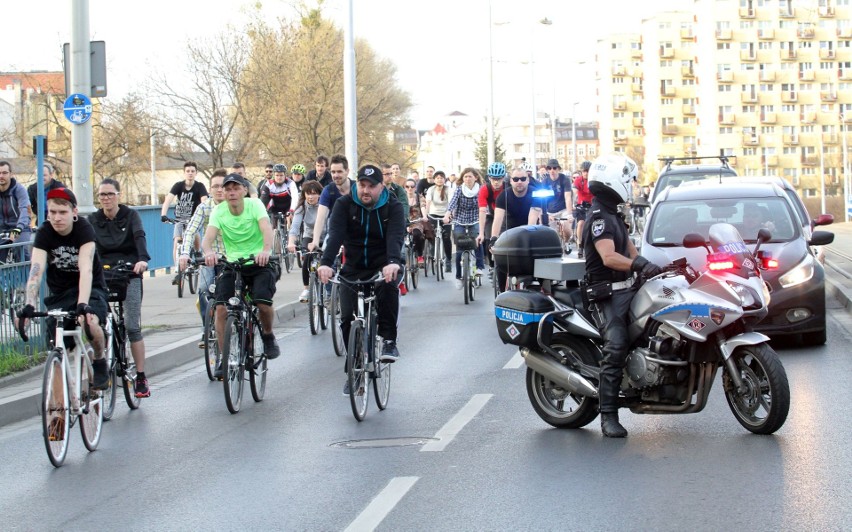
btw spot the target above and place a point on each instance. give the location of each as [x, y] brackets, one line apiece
[558, 406]
[763, 408]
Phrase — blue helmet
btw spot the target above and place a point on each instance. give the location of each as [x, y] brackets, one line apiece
[496, 170]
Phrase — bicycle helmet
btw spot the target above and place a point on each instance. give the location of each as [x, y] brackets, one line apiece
[279, 168]
[299, 169]
[496, 170]
[528, 167]
[585, 166]
[611, 178]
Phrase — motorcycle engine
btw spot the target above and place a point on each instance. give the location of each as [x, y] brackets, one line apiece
[644, 373]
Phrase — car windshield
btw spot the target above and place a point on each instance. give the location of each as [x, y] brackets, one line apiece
[675, 179]
[672, 220]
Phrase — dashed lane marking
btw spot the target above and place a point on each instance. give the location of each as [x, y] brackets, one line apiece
[382, 504]
[449, 431]
[515, 362]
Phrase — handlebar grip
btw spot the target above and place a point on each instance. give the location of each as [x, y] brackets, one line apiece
[21, 332]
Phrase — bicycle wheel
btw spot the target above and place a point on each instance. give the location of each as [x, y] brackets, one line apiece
[298, 258]
[439, 260]
[324, 311]
[257, 372]
[465, 267]
[91, 408]
[288, 265]
[192, 279]
[125, 367]
[413, 268]
[382, 374]
[17, 300]
[336, 331]
[55, 416]
[233, 368]
[429, 259]
[212, 357]
[356, 365]
[180, 281]
[110, 393]
[314, 303]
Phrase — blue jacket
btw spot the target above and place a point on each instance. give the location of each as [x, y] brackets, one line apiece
[13, 207]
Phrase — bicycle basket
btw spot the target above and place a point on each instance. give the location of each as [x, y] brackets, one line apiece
[116, 285]
[465, 242]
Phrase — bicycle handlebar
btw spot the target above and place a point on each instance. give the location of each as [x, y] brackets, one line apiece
[376, 279]
[56, 313]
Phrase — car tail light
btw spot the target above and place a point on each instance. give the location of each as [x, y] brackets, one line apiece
[717, 262]
[766, 261]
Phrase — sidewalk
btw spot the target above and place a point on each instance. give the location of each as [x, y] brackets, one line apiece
[171, 327]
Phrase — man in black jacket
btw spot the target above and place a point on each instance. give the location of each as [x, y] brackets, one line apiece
[321, 172]
[370, 225]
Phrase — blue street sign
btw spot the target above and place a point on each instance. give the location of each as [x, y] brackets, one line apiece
[77, 108]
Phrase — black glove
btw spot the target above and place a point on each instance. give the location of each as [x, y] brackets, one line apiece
[16, 231]
[164, 218]
[644, 268]
[491, 242]
[26, 312]
[83, 308]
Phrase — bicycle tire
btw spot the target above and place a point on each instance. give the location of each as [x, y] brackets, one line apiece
[287, 264]
[181, 278]
[257, 372]
[212, 356]
[233, 368]
[439, 260]
[429, 260]
[314, 303]
[192, 280]
[381, 375]
[472, 285]
[336, 331]
[465, 267]
[126, 367]
[324, 312]
[109, 395]
[55, 415]
[298, 259]
[356, 370]
[17, 299]
[91, 415]
[413, 268]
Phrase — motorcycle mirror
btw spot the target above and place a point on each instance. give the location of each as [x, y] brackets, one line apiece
[762, 236]
[694, 240]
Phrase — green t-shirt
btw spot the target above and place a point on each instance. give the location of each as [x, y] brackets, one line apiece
[240, 234]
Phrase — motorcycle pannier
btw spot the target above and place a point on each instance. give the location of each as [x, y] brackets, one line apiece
[518, 313]
[517, 249]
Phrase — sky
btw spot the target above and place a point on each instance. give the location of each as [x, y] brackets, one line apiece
[440, 47]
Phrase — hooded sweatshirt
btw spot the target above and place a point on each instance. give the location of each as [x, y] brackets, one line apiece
[13, 207]
[372, 237]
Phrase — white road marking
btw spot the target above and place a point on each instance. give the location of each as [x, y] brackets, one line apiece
[449, 431]
[515, 362]
[382, 504]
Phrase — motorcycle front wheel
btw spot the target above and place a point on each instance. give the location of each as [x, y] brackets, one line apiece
[763, 406]
[554, 404]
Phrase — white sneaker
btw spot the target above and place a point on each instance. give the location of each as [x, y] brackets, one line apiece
[458, 284]
[479, 271]
[303, 297]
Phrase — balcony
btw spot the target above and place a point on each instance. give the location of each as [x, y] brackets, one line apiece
[726, 76]
[727, 119]
[727, 35]
[619, 106]
[619, 71]
[789, 96]
[688, 109]
[846, 118]
[749, 97]
[810, 160]
[828, 96]
[748, 55]
[751, 140]
[668, 90]
[791, 140]
[769, 160]
[636, 88]
[687, 72]
[638, 122]
[669, 129]
[787, 12]
[807, 75]
[807, 117]
[844, 74]
[827, 53]
[620, 141]
[766, 34]
[686, 33]
[747, 12]
[806, 33]
[636, 53]
[666, 52]
[830, 138]
[767, 75]
[788, 55]
[826, 11]
[768, 118]
[845, 33]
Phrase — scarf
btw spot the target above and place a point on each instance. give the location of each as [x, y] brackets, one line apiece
[470, 192]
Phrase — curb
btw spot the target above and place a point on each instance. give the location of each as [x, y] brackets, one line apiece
[27, 404]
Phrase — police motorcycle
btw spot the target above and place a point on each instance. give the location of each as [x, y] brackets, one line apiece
[684, 326]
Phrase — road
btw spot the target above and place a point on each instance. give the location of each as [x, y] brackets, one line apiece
[183, 462]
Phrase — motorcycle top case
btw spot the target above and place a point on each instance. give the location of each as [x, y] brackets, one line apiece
[518, 313]
[516, 250]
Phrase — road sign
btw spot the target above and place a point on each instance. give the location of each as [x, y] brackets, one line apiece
[77, 108]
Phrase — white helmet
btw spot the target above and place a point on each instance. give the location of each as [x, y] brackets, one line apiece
[613, 174]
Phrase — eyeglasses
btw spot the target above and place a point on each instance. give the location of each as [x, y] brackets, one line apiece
[519, 179]
[552, 167]
[107, 194]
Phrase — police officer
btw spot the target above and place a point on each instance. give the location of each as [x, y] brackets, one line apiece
[611, 257]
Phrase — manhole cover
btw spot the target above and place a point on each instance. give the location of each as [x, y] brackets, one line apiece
[383, 442]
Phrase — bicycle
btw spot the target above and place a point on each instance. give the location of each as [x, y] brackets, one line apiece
[119, 365]
[212, 353]
[13, 293]
[437, 262]
[279, 240]
[362, 357]
[242, 345]
[191, 272]
[65, 394]
[466, 244]
[317, 313]
[334, 311]
[413, 269]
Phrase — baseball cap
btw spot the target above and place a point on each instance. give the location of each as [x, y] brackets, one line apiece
[371, 173]
[553, 163]
[63, 193]
[234, 178]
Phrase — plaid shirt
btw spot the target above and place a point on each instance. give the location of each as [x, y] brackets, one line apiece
[198, 224]
[465, 210]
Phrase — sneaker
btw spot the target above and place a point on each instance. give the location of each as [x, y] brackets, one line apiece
[141, 387]
[270, 346]
[176, 279]
[403, 290]
[479, 271]
[346, 387]
[458, 284]
[389, 351]
[303, 297]
[448, 267]
[100, 379]
[217, 371]
[421, 261]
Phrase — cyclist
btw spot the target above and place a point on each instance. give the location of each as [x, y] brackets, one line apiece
[487, 195]
[120, 237]
[340, 187]
[395, 189]
[557, 206]
[302, 228]
[14, 209]
[584, 201]
[65, 248]
[298, 176]
[198, 226]
[463, 210]
[189, 194]
[267, 177]
[321, 171]
[50, 182]
[370, 225]
[427, 181]
[279, 194]
[437, 201]
[240, 169]
[246, 231]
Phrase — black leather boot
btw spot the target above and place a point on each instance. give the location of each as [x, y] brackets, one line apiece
[610, 427]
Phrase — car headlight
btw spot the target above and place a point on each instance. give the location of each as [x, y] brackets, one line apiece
[801, 273]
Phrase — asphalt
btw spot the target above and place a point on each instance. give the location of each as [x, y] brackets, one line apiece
[171, 326]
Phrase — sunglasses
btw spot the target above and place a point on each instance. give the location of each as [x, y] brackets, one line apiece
[519, 179]
[552, 167]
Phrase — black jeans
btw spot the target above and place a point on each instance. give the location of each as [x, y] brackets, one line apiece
[387, 299]
[615, 314]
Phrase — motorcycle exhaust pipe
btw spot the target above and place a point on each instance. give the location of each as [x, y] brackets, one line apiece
[554, 371]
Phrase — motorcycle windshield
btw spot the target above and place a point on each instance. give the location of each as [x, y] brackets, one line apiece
[730, 252]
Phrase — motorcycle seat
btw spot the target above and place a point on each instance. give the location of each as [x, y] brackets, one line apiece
[573, 297]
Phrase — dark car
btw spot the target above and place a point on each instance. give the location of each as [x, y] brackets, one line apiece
[674, 175]
[796, 279]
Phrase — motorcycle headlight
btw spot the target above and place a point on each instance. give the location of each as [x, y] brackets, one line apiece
[799, 274]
